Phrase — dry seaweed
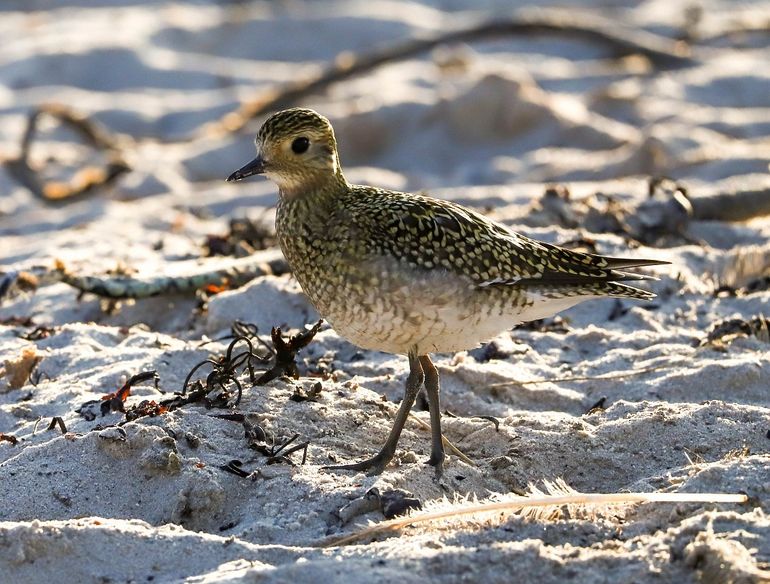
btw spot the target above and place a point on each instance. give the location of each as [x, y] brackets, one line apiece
[224, 369]
[149, 408]
[286, 353]
[114, 402]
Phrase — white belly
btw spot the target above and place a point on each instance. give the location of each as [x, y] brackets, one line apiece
[437, 315]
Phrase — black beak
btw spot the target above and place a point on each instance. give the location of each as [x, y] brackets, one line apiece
[256, 166]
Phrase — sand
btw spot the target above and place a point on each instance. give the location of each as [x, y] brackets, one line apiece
[487, 125]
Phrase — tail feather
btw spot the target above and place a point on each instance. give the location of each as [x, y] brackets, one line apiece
[593, 290]
[609, 280]
[616, 290]
[570, 279]
[622, 263]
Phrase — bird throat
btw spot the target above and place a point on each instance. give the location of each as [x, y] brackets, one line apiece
[312, 185]
[307, 209]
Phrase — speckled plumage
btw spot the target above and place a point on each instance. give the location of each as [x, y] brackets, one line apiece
[392, 270]
[410, 274]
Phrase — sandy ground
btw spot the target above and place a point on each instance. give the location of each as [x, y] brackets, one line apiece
[487, 125]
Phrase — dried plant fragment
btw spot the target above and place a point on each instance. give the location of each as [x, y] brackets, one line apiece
[391, 502]
[286, 353]
[18, 371]
[57, 421]
[246, 236]
[313, 394]
[726, 331]
[83, 181]
[113, 402]
[8, 438]
[258, 439]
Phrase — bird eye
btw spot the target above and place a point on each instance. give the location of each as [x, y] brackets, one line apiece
[300, 145]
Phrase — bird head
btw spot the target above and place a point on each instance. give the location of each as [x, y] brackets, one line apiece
[296, 149]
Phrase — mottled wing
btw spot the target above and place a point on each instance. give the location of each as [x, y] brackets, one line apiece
[430, 233]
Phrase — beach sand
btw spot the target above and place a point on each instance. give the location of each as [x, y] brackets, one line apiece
[489, 124]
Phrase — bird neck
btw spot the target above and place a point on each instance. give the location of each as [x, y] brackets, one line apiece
[314, 189]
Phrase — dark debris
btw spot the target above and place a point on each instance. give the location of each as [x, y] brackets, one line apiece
[259, 440]
[599, 406]
[662, 220]
[246, 235]
[113, 402]
[489, 351]
[761, 284]
[286, 353]
[391, 502]
[8, 438]
[313, 394]
[38, 333]
[495, 421]
[234, 467]
[725, 331]
[397, 502]
[57, 421]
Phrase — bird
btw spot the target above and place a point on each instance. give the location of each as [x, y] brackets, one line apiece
[409, 274]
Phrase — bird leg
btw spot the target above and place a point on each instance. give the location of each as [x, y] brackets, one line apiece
[432, 387]
[377, 463]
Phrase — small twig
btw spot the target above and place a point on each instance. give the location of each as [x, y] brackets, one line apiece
[608, 376]
[87, 179]
[234, 467]
[447, 444]
[235, 274]
[625, 41]
[57, 421]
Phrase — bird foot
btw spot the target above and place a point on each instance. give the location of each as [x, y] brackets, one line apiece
[372, 466]
[437, 462]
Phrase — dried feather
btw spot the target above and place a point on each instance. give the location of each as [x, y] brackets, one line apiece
[554, 501]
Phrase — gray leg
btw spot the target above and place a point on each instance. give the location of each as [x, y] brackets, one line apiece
[432, 387]
[377, 464]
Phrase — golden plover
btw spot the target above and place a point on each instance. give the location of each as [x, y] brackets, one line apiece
[409, 274]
